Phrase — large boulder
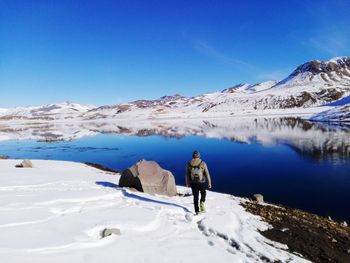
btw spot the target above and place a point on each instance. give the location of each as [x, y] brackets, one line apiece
[25, 164]
[149, 177]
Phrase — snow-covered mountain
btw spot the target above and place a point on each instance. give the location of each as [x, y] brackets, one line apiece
[314, 83]
[249, 88]
[332, 72]
[311, 84]
[60, 111]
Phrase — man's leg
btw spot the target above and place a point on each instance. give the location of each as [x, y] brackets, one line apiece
[203, 195]
[195, 192]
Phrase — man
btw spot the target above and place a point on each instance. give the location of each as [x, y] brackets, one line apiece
[197, 175]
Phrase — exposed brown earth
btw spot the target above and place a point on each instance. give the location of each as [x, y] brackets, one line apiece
[102, 167]
[316, 238]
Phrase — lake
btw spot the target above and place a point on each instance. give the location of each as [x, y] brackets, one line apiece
[290, 161]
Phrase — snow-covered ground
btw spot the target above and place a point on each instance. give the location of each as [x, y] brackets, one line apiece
[55, 212]
[336, 114]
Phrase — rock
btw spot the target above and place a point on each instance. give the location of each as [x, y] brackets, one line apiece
[344, 223]
[259, 198]
[349, 251]
[110, 231]
[149, 177]
[4, 157]
[25, 164]
[334, 240]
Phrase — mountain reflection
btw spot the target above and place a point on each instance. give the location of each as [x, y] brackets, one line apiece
[312, 140]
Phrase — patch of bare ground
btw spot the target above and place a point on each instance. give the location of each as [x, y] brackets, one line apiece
[316, 238]
[102, 167]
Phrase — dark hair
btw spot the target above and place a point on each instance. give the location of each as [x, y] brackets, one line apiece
[196, 154]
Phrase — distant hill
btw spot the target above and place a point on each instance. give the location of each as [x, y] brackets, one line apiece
[311, 84]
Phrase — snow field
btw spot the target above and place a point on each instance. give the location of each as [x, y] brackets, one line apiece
[56, 211]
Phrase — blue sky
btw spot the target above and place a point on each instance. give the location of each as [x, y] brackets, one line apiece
[106, 52]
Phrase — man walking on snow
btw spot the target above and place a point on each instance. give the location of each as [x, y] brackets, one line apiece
[197, 175]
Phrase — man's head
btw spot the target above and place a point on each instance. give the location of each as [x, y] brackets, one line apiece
[196, 154]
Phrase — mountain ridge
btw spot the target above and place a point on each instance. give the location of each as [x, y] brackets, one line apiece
[314, 83]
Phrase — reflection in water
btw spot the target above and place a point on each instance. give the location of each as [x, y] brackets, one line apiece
[313, 140]
[290, 161]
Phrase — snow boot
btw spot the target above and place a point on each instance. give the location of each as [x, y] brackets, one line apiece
[201, 207]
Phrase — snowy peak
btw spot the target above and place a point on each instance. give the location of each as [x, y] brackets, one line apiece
[242, 87]
[65, 106]
[333, 71]
[138, 107]
[161, 101]
[251, 88]
[172, 97]
[336, 65]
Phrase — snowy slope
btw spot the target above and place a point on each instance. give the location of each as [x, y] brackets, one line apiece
[334, 71]
[248, 88]
[338, 114]
[55, 212]
[64, 111]
[341, 102]
[312, 84]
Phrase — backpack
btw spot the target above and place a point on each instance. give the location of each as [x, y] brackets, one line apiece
[196, 173]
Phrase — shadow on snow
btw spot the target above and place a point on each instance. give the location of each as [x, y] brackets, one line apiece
[137, 197]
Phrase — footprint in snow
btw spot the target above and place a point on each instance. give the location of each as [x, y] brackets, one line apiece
[194, 218]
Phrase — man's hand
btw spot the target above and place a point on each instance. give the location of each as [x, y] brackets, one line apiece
[209, 186]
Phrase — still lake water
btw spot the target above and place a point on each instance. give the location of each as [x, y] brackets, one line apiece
[289, 161]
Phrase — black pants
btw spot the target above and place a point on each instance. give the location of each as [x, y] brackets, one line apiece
[196, 188]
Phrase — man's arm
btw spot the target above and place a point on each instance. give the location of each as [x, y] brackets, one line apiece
[207, 175]
[186, 176]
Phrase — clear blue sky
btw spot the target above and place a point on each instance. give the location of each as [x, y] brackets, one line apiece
[106, 52]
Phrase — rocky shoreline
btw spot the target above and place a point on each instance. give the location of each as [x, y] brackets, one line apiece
[314, 237]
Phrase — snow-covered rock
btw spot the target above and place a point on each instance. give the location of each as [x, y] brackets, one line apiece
[56, 212]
